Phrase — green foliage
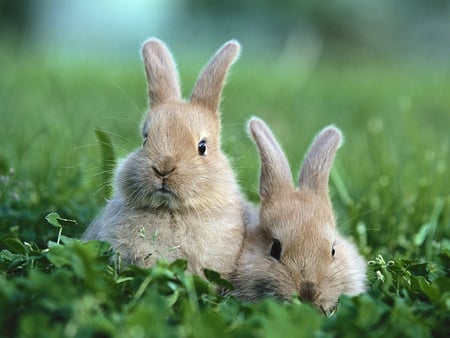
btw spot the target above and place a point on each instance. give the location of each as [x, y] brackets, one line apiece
[75, 288]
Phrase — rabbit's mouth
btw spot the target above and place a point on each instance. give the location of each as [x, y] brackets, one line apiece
[163, 187]
[163, 196]
[165, 192]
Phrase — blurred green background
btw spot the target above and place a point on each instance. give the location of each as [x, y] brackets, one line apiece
[380, 71]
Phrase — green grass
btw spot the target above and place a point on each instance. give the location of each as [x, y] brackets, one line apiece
[390, 187]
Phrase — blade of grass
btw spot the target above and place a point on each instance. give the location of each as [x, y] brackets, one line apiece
[108, 159]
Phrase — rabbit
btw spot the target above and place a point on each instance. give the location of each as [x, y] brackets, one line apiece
[295, 248]
[177, 197]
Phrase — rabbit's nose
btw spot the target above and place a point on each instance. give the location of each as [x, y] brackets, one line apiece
[307, 291]
[164, 166]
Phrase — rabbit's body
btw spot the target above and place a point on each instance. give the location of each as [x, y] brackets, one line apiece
[143, 236]
[177, 195]
[294, 248]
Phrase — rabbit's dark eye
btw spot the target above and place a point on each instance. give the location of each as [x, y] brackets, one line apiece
[202, 148]
[275, 250]
[145, 135]
[333, 251]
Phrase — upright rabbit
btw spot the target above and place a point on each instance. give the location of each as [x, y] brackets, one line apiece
[177, 196]
[295, 249]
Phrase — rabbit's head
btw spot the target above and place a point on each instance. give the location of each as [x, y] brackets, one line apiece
[180, 164]
[295, 249]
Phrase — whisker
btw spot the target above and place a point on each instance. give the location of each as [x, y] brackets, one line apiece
[129, 98]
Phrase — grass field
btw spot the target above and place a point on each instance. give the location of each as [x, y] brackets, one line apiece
[390, 186]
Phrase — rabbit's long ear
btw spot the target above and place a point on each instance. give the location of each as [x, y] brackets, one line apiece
[208, 88]
[275, 171]
[319, 160]
[161, 70]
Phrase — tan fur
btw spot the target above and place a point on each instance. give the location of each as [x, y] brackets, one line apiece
[199, 214]
[303, 221]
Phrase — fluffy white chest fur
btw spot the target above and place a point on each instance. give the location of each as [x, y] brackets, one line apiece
[205, 241]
